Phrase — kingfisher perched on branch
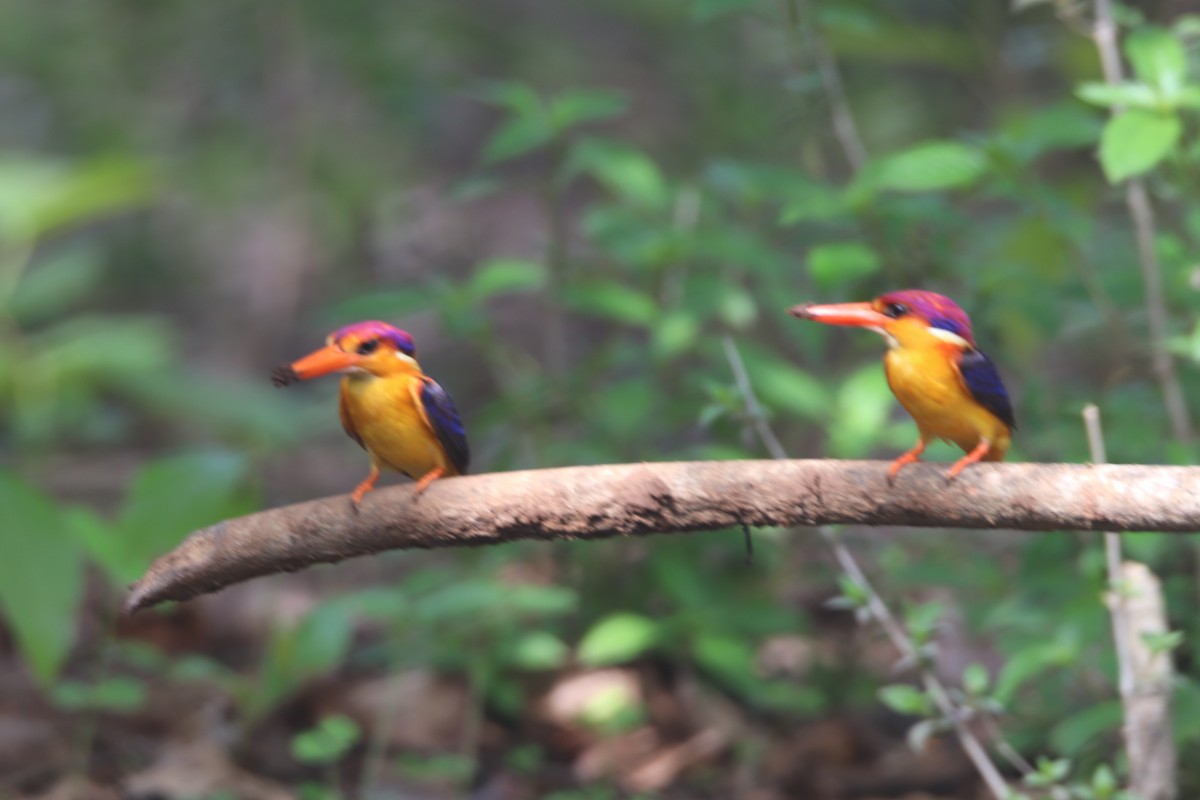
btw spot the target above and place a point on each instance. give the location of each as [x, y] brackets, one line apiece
[951, 389]
[403, 419]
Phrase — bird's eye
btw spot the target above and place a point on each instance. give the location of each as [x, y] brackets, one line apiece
[895, 310]
[368, 347]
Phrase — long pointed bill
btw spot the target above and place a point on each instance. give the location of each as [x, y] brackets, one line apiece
[321, 362]
[859, 315]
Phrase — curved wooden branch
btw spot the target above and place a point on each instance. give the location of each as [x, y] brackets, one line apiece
[624, 499]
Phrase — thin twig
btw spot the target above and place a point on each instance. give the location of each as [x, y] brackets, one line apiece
[1112, 562]
[1141, 679]
[876, 605]
[845, 129]
[1141, 212]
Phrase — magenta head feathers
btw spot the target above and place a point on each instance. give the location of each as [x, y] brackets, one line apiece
[375, 330]
[936, 309]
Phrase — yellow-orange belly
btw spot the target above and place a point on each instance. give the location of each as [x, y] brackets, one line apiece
[929, 387]
[385, 415]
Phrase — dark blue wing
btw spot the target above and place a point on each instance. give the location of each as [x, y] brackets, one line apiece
[984, 384]
[443, 416]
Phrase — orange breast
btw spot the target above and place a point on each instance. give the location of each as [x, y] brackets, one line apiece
[386, 416]
[928, 385]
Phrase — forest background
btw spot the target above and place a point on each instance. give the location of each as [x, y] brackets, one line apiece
[591, 216]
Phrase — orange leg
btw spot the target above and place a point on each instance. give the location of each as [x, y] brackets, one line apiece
[911, 457]
[367, 485]
[428, 478]
[972, 457]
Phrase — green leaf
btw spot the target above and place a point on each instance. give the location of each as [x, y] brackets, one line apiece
[39, 196]
[517, 136]
[119, 694]
[905, 699]
[975, 679]
[1032, 661]
[41, 576]
[613, 300]
[921, 620]
[298, 653]
[331, 739]
[782, 385]
[930, 166]
[617, 638]
[737, 307]
[863, 404]
[1163, 642]
[518, 98]
[628, 173]
[168, 499]
[503, 275]
[105, 348]
[585, 105]
[674, 334]
[812, 202]
[1135, 141]
[539, 650]
[729, 659]
[1134, 95]
[55, 283]
[1158, 58]
[1104, 782]
[841, 263]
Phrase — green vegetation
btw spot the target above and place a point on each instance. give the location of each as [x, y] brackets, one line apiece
[573, 207]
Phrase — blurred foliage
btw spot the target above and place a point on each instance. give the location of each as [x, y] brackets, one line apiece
[194, 192]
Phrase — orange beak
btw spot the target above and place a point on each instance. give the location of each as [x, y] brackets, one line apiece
[321, 362]
[858, 315]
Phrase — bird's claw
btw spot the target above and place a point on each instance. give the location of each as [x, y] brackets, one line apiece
[426, 480]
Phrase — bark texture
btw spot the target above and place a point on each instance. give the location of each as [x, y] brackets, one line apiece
[624, 499]
[1146, 686]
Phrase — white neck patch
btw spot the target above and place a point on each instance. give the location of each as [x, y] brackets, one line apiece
[951, 337]
[892, 341]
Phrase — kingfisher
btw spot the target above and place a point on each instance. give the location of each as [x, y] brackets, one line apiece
[405, 421]
[951, 389]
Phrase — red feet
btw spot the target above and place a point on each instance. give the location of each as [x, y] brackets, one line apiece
[428, 478]
[911, 457]
[367, 485]
[972, 457]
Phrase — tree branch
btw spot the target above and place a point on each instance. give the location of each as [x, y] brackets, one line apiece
[623, 499]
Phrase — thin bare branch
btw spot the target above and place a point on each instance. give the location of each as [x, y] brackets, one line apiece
[1149, 739]
[1141, 213]
[1136, 605]
[624, 499]
[1112, 560]
[845, 129]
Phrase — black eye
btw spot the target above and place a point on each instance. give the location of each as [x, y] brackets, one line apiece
[367, 347]
[895, 310]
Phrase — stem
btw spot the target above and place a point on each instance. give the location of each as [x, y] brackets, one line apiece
[556, 352]
[1141, 213]
[1143, 676]
[845, 129]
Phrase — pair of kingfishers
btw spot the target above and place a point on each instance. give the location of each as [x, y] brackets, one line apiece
[407, 423]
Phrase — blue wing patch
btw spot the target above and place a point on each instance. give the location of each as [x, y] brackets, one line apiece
[442, 414]
[983, 382]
